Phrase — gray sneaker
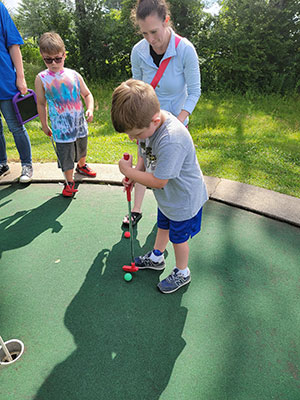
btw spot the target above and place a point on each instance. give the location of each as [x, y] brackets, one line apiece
[4, 169]
[26, 175]
[145, 262]
[173, 282]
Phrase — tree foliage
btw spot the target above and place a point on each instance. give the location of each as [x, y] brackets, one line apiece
[252, 45]
[35, 17]
[255, 45]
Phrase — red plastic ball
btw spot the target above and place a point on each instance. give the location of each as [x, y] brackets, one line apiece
[127, 234]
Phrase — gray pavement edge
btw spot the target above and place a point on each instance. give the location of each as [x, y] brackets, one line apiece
[251, 198]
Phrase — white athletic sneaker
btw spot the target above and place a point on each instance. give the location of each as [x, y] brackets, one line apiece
[26, 175]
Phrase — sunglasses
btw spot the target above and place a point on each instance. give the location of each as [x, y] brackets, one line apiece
[49, 60]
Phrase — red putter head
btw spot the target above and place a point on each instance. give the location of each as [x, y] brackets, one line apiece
[130, 268]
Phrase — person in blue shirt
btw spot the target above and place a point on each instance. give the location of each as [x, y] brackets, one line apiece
[179, 88]
[12, 81]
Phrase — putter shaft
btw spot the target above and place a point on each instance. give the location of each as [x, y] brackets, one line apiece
[130, 227]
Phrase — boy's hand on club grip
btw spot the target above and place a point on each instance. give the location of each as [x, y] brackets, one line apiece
[127, 183]
[125, 164]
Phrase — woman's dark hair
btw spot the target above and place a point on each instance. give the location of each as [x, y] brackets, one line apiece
[144, 8]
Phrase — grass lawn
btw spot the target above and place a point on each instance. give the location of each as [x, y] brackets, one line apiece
[254, 140]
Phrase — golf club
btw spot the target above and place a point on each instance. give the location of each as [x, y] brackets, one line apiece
[59, 163]
[132, 267]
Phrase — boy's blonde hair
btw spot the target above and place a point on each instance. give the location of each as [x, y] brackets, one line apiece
[134, 103]
[51, 43]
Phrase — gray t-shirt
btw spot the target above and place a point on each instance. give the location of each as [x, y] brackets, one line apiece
[170, 154]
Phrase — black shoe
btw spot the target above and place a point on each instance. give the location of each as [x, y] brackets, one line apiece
[4, 169]
[135, 217]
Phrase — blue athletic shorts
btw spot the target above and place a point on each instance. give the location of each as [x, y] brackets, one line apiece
[180, 231]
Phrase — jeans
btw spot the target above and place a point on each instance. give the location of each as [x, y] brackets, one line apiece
[19, 133]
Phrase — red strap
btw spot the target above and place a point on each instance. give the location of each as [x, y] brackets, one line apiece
[163, 66]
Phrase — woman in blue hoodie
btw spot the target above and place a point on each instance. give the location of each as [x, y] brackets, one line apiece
[179, 88]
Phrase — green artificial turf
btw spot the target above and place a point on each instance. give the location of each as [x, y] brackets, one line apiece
[232, 333]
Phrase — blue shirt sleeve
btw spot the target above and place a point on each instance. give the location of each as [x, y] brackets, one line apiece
[9, 36]
[135, 65]
[191, 72]
[10, 33]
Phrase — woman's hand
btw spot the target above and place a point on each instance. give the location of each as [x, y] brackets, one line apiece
[182, 116]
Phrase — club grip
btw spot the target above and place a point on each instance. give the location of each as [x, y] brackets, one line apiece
[128, 188]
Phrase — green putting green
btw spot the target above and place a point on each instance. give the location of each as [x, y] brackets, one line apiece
[233, 333]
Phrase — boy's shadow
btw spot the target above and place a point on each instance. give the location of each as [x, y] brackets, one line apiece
[31, 223]
[128, 335]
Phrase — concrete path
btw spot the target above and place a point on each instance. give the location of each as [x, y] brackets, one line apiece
[262, 201]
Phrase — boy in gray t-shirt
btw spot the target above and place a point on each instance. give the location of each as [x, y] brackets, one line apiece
[169, 166]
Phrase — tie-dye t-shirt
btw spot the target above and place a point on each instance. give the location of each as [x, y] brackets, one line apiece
[62, 92]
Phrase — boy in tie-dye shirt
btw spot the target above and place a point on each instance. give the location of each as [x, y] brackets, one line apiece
[61, 88]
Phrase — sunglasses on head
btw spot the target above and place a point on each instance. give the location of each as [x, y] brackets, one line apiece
[49, 60]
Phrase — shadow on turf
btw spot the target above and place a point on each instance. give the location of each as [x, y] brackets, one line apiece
[128, 335]
[10, 189]
[24, 226]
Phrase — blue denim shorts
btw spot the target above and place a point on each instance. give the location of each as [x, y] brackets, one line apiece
[180, 231]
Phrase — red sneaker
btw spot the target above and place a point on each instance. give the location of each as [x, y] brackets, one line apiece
[69, 190]
[86, 170]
